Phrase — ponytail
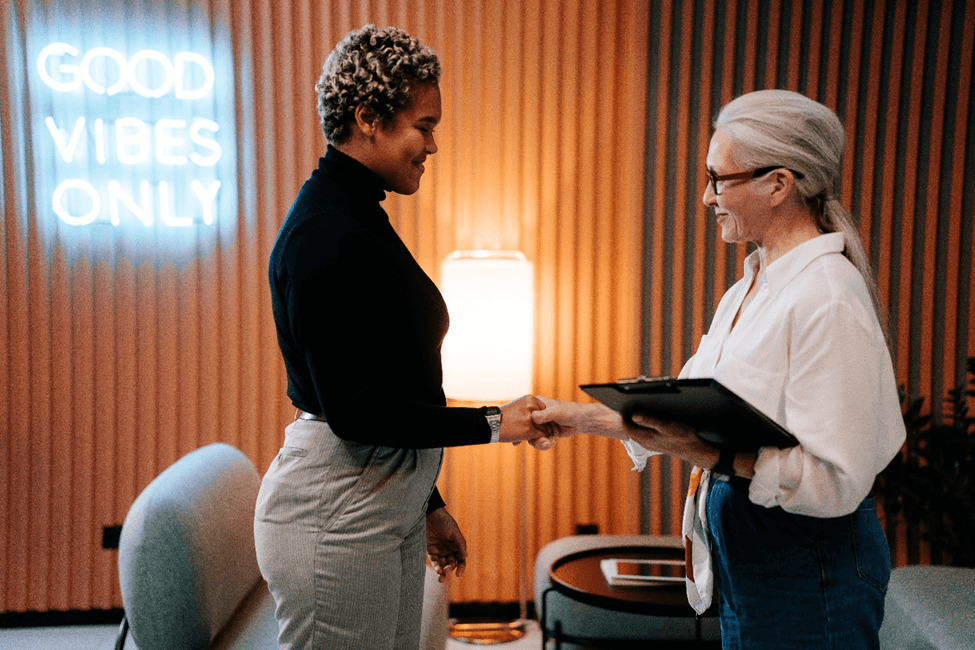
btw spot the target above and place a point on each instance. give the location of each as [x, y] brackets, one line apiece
[835, 218]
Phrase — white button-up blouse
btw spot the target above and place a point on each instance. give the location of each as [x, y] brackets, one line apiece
[809, 352]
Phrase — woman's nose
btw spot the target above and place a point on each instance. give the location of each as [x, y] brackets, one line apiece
[710, 198]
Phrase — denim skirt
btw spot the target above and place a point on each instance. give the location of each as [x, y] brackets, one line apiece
[792, 581]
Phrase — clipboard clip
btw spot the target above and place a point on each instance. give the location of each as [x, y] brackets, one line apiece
[644, 379]
[643, 384]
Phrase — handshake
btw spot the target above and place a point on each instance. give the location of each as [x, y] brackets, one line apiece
[540, 421]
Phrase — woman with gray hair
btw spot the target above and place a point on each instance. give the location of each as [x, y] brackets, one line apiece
[349, 504]
[788, 539]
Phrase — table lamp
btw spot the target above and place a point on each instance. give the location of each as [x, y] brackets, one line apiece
[487, 358]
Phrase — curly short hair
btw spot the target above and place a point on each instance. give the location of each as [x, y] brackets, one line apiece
[375, 67]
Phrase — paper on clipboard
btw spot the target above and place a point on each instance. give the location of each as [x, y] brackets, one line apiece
[719, 415]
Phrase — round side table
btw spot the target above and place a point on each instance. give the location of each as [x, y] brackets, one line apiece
[579, 577]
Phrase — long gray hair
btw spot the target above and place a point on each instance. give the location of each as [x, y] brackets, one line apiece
[784, 128]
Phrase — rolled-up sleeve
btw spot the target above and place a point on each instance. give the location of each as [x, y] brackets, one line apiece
[840, 401]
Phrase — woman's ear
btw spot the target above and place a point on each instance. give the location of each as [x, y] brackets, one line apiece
[783, 183]
[366, 119]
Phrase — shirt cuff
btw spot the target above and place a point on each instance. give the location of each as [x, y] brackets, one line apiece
[638, 454]
[778, 473]
[764, 486]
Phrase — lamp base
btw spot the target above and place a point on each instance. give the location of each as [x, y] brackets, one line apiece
[487, 633]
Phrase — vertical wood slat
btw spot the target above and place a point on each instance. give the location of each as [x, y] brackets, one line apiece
[899, 75]
[908, 154]
[931, 375]
[957, 213]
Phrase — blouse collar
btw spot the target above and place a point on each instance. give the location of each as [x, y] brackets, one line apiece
[780, 272]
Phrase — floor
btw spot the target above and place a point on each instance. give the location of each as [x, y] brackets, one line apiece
[102, 637]
[81, 637]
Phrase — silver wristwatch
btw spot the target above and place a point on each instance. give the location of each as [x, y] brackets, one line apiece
[493, 415]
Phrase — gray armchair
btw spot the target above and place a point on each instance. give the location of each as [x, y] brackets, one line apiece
[929, 608]
[187, 564]
[188, 567]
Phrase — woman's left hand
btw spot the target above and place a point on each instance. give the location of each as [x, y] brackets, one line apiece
[446, 546]
[671, 438]
[682, 441]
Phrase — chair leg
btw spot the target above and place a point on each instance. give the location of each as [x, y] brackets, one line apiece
[123, 631]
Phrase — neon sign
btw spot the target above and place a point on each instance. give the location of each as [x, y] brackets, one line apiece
[127, 139]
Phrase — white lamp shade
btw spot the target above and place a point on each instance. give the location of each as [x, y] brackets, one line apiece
[487, 354]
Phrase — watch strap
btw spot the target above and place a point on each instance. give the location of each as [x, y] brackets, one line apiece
[726, 462]
[493, 415]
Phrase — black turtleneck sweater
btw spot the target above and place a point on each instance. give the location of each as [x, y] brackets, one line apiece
[359, 323]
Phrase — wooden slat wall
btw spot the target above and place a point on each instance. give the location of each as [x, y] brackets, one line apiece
[119, 358]
[899, 75]
[563, 119]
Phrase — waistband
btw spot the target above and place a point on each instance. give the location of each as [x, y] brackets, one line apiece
[305, 415]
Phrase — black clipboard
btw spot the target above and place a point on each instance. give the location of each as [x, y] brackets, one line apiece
[720, 416]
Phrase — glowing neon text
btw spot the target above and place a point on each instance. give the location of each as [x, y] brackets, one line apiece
[73, 75]
[93, 154]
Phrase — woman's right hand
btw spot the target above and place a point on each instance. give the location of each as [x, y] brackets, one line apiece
[571, 418]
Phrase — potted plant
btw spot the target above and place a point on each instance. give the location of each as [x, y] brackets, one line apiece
[930, 485]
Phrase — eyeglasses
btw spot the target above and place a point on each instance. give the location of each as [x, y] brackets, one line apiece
[755, 173]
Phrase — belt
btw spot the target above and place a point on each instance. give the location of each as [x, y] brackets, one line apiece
[305, 415]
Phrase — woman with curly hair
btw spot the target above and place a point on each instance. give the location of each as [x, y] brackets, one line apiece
[349, 504]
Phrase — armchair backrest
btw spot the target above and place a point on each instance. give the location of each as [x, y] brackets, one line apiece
[186, 554]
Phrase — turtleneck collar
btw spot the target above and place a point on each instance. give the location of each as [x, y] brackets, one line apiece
[357, 177]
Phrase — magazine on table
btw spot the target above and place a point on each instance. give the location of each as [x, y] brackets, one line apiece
[622, 572]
